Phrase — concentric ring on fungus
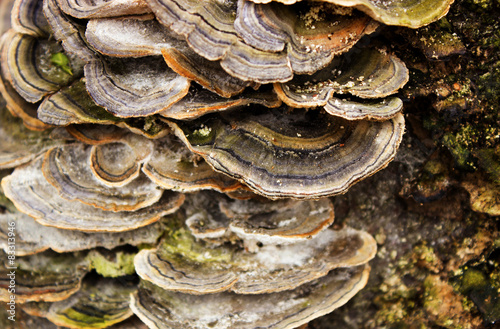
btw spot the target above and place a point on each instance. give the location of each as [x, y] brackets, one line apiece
[298, 154]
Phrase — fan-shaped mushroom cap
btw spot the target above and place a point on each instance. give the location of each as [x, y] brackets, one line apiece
[131, 36]
[402, 12]
[210, 216]
[100, 303]
[303, 220]
[19, 144]
[364, 109]
[309, 45]
[172, 166]
[68, 32]
[33, 195]
[103, 8]
[67, 168]
[45, 277]
[298, 154]
[133, 87]
[282, 310]
[200, 101]
[27, 18]
[18, 106]
[118, 163]
[181, 263]
[26, 63]
[32, 237]
[369, 74]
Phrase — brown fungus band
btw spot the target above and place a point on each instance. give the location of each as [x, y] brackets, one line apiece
[176, 156]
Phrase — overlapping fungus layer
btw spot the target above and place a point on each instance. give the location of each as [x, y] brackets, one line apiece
[189, 148]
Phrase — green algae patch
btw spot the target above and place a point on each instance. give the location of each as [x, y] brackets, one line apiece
[112, 265]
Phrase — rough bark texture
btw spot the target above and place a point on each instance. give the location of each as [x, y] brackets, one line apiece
[434, 210]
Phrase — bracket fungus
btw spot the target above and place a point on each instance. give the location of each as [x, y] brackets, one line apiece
[254, 113]
[298, 154]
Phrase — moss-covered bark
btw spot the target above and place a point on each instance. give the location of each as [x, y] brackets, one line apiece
[434, 210]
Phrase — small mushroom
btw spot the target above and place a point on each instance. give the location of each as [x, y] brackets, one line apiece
[299, 154]
[172, 166]
[211, 216]
[73, 104]
[364, 109]
[131, 36]
[67, 168]
[200, 101]
[118, 163]
[19, 107]
[207, 73]
[370, 74]
[282, 310]
[96, 134]
[133, 87]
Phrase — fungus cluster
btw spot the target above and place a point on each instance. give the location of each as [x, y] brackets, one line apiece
[192, 146]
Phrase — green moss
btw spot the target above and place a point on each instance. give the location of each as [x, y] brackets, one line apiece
[488, 82]
[479, 282]
[489, 161]
[119, 264]
[472, 279]
[182, 244]
[467, 139]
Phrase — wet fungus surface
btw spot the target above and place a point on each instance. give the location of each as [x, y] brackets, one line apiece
[174, 159]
